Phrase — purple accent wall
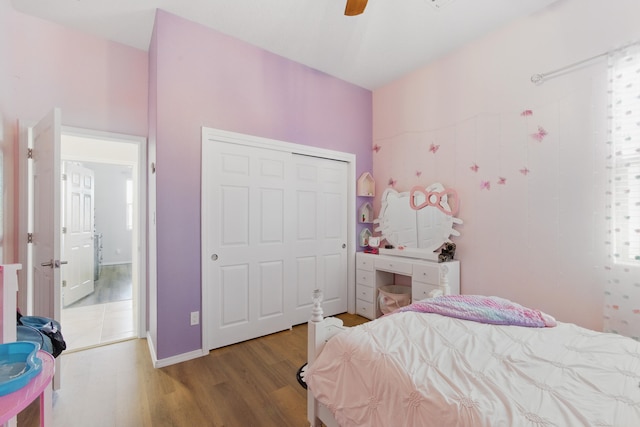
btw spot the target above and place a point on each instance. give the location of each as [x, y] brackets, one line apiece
[205, 78]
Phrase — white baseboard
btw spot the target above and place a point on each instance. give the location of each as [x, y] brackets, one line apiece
[173, 359]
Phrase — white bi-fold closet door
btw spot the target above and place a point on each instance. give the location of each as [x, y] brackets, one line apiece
[274, 227]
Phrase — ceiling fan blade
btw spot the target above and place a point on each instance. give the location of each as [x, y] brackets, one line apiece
[355, 7]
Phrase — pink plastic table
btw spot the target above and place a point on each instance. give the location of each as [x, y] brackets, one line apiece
[15, 402]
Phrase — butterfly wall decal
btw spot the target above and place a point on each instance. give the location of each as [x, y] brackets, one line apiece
[485, 185]
[502, 180]
[524, 171]
[526, 113]
[392, 182]
[539, 136]
[418, 173]
[376, 148]
[474, 167]
[434, 148]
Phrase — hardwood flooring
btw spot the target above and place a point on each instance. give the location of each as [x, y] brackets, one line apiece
[114, 284]
[249, 384]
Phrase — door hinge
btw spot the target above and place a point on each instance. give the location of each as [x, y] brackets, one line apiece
[64, 283]
[29, 237]
[64, 176]
[29, 153]
[64, 230]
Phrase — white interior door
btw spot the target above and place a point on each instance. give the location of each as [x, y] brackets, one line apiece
[78, 246]
[320, 234]
[247, 251]
[46, 215]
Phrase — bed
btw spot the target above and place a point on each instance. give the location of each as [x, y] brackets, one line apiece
[426, 369]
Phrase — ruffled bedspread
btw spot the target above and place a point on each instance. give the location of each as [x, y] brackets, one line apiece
[484, 309]
[424, 369]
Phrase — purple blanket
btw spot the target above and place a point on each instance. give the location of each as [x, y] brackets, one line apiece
[492, 310]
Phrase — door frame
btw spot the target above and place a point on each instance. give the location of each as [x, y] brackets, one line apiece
[25, 298]
[211, 134]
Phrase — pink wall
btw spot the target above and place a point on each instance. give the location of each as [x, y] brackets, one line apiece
[5, 14]
[98, 85]
[536, 238]
[205, 78]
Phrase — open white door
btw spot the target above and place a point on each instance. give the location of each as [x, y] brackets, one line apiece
[46, 225]
[78, 246]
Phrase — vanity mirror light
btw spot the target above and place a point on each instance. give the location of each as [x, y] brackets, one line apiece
[418, 222]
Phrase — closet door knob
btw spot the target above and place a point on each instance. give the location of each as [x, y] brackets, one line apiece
[214, 257]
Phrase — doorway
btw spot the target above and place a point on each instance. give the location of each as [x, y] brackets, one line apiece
[100, 238]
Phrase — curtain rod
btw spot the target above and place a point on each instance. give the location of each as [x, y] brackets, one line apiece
[539, 78]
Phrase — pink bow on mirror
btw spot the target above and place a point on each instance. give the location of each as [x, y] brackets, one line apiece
[434, 198]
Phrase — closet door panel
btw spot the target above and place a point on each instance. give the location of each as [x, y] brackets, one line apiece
[306, 280]
[321, 235]
[233, 303]
[245, 213]
[272, 289]
[274, 229]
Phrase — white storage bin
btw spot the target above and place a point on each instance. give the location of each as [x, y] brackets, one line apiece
[392, 297]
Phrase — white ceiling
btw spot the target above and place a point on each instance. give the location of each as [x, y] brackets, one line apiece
[391, 38]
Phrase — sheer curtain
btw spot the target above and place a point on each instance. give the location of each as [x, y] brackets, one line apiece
[622, 288]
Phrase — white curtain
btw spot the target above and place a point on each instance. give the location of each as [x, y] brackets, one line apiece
[622, 288]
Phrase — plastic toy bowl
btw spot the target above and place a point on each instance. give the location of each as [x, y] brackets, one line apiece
[18, 365]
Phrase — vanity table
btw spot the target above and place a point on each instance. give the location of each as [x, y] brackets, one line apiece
[374, 271]
[415, 224]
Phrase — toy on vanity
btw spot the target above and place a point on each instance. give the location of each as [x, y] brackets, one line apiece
[447, 252]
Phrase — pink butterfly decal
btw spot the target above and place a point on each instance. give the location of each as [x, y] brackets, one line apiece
[433, 148]
[474, 168]
[376, 148]
[392, 182]
[636, 311]
[485, 185]
[539, 136]
[418, 173]
[502, 180]
[526, 113]
[524, 171]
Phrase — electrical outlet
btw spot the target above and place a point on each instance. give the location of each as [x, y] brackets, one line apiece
[195, 317]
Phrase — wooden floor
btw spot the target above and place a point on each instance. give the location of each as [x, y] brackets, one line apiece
[114, 284]
[250, 384]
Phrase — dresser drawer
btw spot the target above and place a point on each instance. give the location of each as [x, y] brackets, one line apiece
[420, 291]
[393, 266]
[366, 309]
[365, 293]
[364, 277]
[427, 273]
[364, 262]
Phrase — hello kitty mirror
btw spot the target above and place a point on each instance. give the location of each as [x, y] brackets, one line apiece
[418, 222]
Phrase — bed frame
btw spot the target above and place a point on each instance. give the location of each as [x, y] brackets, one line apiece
[320, 329]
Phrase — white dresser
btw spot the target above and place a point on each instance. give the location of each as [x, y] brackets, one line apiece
[374, 271]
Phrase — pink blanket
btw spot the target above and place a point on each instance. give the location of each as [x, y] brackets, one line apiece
[483, 309]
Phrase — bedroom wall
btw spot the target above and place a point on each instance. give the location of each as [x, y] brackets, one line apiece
[535, 235]
[5, 11]
[98, 85]
[204, 78]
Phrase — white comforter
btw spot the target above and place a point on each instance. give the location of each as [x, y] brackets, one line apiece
[414, 369]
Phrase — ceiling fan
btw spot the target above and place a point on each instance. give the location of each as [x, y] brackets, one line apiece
[355, 7]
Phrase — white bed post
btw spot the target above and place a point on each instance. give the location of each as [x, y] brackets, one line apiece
[312, 344]
[444, 271]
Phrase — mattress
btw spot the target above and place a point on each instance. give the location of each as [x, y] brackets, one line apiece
[418, 369]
